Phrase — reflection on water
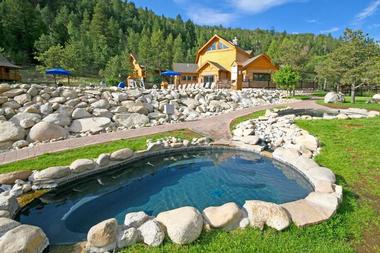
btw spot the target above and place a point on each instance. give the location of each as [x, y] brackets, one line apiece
[155, 184]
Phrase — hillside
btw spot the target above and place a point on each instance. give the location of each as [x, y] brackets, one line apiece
[94, 37]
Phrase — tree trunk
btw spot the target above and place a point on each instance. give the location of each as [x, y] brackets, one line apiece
[353, 88]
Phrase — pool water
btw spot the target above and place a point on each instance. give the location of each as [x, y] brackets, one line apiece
[159, 183]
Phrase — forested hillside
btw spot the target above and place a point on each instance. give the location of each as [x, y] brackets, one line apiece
[95, 36]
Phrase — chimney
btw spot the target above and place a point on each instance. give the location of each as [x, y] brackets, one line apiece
[235, 41]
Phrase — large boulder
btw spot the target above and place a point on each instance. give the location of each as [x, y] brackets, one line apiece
[7, 224]
[22, 99]
[130, 120]
[127, 237]
[11, 177]
[55, 172]
[183, 225]
[94, 124]
[121, 154]
[4, 87]
[308, 141]
[103, 235]
[24, 239]
[82, 165]
[10, 132]
[25, 116]
[226, 216]
[44, 131]
[80, 113]
[9, 203]
[262, 213]
[102, 103]
[376, 98]
[12, 93]
[135, 219]
[333, 97]
[152, 233]
[62, 119]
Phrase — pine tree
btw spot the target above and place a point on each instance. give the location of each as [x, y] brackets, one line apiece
[178, 50]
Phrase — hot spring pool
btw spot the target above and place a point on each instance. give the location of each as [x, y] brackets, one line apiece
[159, 183]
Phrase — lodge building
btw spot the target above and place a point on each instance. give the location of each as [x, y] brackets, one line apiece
[8, 71]
[222, 62]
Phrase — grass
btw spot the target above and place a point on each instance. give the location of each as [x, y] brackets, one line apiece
[351, 150]
[360, 103]
[300, 97]
[237, 121]
[66, 157]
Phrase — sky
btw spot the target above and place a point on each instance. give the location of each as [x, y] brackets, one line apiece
[293, 16]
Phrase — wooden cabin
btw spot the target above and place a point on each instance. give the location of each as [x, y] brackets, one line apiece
[8, 71]
[223, 62]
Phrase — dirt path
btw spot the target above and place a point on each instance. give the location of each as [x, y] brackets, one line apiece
[217, 127]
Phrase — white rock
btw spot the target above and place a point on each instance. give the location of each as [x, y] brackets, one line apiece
[376, 98]
[24, 238]
[130, 120]
[10, 132]
[152, 233]
[55, 172]
[127, 237]
[183, 225]
[103, 160]
[9, 203]
[80, 113]
[82, 165]
[7, 224]
[94, 124]
[226, 217]
[135, 219]
[44, 131]
[61, 119]
[121, 154]
[261, 213]
[333, 97]
[103, 235]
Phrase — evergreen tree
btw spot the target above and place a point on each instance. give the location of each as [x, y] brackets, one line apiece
[178, 50]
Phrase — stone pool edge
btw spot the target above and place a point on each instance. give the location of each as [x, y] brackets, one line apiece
[317, 207]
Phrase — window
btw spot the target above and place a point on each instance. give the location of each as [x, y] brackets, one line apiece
[208, 79]
[212, 47]
[184, 78]
[222, 46]
[261, 77]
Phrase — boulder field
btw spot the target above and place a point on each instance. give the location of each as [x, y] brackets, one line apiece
[30, 114]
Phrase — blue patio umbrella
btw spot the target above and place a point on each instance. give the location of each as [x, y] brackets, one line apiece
[58, 72]
[170, 73]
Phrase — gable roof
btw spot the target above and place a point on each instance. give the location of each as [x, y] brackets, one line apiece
[185, 67]
[229, 43]
[5, 63]
[217, 65]
[249, 61]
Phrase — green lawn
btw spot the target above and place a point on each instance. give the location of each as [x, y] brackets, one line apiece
[301, 97]
[66, 157]
[360, 103]
[351, 150]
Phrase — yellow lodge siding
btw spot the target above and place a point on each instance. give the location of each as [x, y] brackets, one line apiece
[261, 65]
[223, 57]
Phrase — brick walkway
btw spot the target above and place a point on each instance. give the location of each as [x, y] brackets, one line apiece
[217, 127]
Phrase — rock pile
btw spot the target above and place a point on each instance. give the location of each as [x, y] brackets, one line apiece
[183, 225]
[31, 114]
[272, 131]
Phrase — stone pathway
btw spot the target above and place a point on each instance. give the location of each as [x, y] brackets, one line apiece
[217, 127]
